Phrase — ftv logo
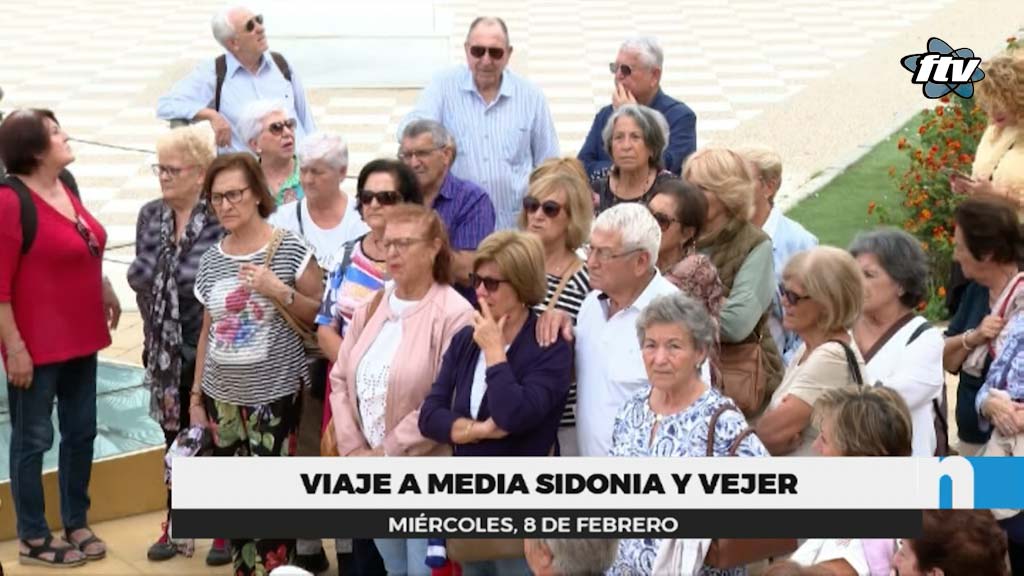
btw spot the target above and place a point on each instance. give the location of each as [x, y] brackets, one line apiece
[943, 70]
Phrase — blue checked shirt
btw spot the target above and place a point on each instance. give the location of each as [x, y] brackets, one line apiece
[197, 90]
[498, 144]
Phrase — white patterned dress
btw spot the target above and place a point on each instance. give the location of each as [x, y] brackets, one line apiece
[679, 435]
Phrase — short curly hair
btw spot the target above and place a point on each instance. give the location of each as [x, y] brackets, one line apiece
[960, 542]
[727, 175]
[1003, 84]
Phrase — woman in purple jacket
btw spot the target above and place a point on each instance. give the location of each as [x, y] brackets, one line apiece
[498, 392]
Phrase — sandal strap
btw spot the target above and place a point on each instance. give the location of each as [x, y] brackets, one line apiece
[81, 544]
[59, 554]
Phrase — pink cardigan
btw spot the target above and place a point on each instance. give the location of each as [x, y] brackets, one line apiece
[427, 330]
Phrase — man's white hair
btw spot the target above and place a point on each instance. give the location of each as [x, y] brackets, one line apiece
[250, 125]
[221, 24]
[648, 49]
[572, 556]
[638, 229]
[321, 146]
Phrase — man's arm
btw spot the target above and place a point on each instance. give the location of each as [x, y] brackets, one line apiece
[543, 138]
[190, 95]
[592, 154]
[303, 111]
[682, 141]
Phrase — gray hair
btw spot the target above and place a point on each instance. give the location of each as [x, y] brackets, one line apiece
[328, 148]
[250, 124]
[679, 309]
[652, 125]
[648, 49]
[439, 135]
[902, 258]
[489, 20]
[633, 221]
[221, 24]
[572, 556]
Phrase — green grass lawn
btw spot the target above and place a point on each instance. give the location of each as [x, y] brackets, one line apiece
[840, 209]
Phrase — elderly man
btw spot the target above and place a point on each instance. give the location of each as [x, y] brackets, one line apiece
[501, 121]
[637, 71]
[788, 237]
[570, 557]
[429, 150]
[218, 90]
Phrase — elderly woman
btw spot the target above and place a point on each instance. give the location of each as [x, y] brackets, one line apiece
[900, 348]
[677, 414]
[822, 295]
[171, 234]
[269, 132]
[953, 542]
[988, 246]
[750, 363]
[250, 364]
[635, 138]
[43, 358]
[861, 421]
[392, 354]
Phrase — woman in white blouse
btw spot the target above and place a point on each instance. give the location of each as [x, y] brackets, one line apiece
[900, 349]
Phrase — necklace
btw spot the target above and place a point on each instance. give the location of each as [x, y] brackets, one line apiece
[560, 270]
[623, 192]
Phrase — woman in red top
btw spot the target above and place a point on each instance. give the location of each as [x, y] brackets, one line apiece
[55, 307]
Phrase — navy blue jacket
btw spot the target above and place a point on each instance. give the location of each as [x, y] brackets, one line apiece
[525, 395]
[682, 124]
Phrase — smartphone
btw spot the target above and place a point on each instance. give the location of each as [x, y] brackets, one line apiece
[953, 173]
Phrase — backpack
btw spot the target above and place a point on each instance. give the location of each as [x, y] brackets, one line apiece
[221, 66]
[29, 218]
[940, 406]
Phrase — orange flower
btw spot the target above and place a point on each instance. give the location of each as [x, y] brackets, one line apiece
[871, 207]
[965, 158]
[941, 291]
[926, 214]
[921, 306]
[892, 171]
[922, 130]
[944, 99]
[940, 110]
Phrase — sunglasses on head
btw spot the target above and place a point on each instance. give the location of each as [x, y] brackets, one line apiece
[276, 128]
[494, 53]
[792, 297]
[550, 207]
[251, 23]
[615, 68]
[664, 220]
[490, 284]
[384, 197]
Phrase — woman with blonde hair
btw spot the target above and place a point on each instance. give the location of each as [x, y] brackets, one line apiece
[822, 295]
[750, 363]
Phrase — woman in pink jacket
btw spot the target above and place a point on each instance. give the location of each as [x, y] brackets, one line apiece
[375, 397]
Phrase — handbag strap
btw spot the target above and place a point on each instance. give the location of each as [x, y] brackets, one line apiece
[884, 339]
[851, 362]
[304, 332]
[734, 446]
[563, 282]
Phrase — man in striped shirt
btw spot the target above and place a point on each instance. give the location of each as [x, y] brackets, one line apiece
[501, 121]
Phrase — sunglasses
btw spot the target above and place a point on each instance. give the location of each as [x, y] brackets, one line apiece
[792, 297]
[276, 128]
[550, 207]
[616, 68]
[384, 197]
[664, 221]
[250, 24]
[490, 284]
[494, 53]
[88, 236]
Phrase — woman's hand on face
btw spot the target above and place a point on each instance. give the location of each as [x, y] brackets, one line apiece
[262, 280]
[19, 368]
[488, 333]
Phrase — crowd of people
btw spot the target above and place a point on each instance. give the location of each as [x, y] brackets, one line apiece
[482, 296]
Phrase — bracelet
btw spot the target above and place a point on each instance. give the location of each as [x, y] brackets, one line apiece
[963, 340]
[469, 428]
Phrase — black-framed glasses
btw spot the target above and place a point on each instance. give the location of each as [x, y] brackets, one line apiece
[615, 68]
[494, 52]
[664, 220]
[159, 170]
[792, 297]
[384, 197]
[417, 154]
[86, 233]
[490, 284]
[232, 196]
[550, 207]
[400, 244]
[251, 23]
[276, 128]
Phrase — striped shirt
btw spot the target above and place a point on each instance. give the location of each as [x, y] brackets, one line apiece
[499, 143]
[570, 300]
[349, 286]
[252, 355]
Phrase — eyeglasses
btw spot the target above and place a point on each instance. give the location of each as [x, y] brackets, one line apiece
[792, 297]
[276, 128]
[400, 244]
[616, 68]
[251, 23]
[550, 207]
[664, 220]
[232, 196]
[159, 170]
[604, 254]
[86, 233]
[494, 53]
[417, 154]
[384, 197]
[490, 284]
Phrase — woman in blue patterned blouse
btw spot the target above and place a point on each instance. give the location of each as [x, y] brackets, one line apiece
[671, 418]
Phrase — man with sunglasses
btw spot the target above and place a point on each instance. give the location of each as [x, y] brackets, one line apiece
[637, 72]
[219, 90]
[500, 120]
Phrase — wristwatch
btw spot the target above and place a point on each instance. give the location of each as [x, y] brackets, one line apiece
[290, 298]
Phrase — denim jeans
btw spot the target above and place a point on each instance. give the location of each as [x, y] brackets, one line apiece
[403, 557]
[73, 383]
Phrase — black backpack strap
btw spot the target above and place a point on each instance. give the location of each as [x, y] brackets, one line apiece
[282, 65]
[298, 217]
[851, 362]
[28, 216]
[221, 66]
[68, 179]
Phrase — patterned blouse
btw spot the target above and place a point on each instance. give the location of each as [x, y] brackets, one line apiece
[684, 434]
[291, 188]
[606, 198]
